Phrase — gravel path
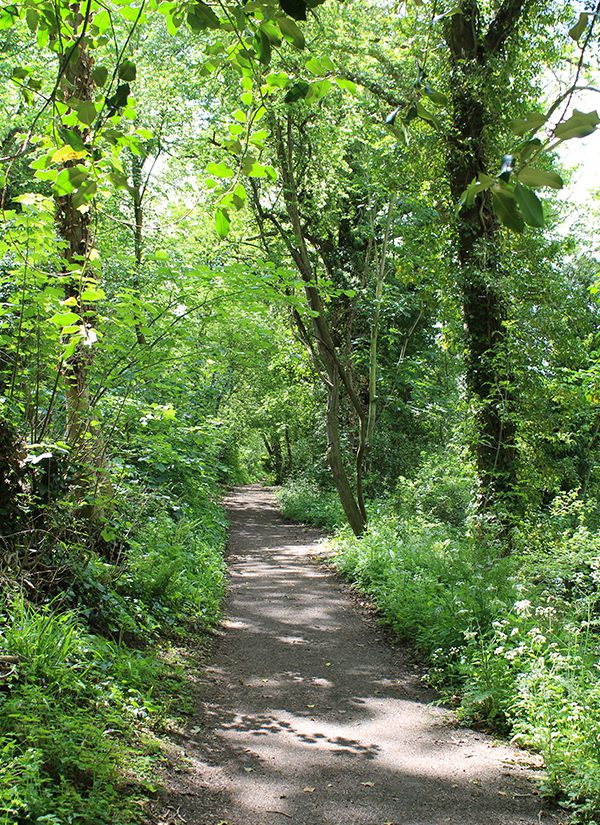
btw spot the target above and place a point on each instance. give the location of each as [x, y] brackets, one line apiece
[308, 715]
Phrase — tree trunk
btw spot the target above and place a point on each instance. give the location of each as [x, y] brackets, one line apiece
[74, 228]
[138, 218]
[354, 514]
[489, 377]
[329, 364]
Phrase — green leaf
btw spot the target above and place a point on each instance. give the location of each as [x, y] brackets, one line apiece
[278, 80]
[295, 8]
[526, 148]
[291, 32]
[8, 15]
[263, 49]
[314, 66]
[258, 138]
[102, 20]
[297, 91]
[579, 125]
[62, 185]
[119, 99]
[505, 209]
[119, 179]
[578, 29]
[540, 177]
[86, 112]
[318, 90]
[201, 16]
[92, 294]
[269, 27]
[426, 115]
[219, 170]
[476, 186]
[530, 206]
[222, 222]
[127, 70]
[65, 319]
[450, 13]
[346, 85]
[528, 123]
[239, 195]
[252, 169]
[435, 96]
[48, 174]
[100, 75]
[73, 139]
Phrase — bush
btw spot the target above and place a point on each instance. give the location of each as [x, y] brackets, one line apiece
[516, 639]
[303, 500]
[440, 491]
[72, 723]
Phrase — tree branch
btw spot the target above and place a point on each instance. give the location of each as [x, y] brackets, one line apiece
[503, 25]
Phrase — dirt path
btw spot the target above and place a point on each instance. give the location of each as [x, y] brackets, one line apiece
[308, 716]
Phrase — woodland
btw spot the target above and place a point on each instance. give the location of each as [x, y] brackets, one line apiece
[330, 246]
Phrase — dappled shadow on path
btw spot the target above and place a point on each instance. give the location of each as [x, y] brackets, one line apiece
[309, 716]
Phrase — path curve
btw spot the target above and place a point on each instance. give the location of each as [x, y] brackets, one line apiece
[308, 715]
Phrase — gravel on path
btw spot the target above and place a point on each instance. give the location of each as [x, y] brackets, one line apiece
[308, 715]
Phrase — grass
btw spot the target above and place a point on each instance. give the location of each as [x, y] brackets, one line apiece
[83, 683]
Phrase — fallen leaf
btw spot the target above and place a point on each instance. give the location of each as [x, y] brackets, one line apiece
[248, 770]
[368, 784]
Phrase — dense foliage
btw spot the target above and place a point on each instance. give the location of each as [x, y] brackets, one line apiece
[318, 244]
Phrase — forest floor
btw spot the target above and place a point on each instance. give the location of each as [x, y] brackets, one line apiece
[308, 713]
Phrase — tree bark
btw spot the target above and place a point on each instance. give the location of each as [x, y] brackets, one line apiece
[330, 366]
[489, 378]
[74, 228]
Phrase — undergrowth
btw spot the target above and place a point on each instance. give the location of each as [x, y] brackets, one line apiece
[513, 642]
[84, 677]
[303, 500]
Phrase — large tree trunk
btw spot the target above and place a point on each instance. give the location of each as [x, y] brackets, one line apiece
[488, 373]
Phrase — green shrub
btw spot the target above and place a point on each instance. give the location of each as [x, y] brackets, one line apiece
[303, 500]
[76, 707]
[177, 571]
[440, 490]
[517, 639]
[71, 725]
